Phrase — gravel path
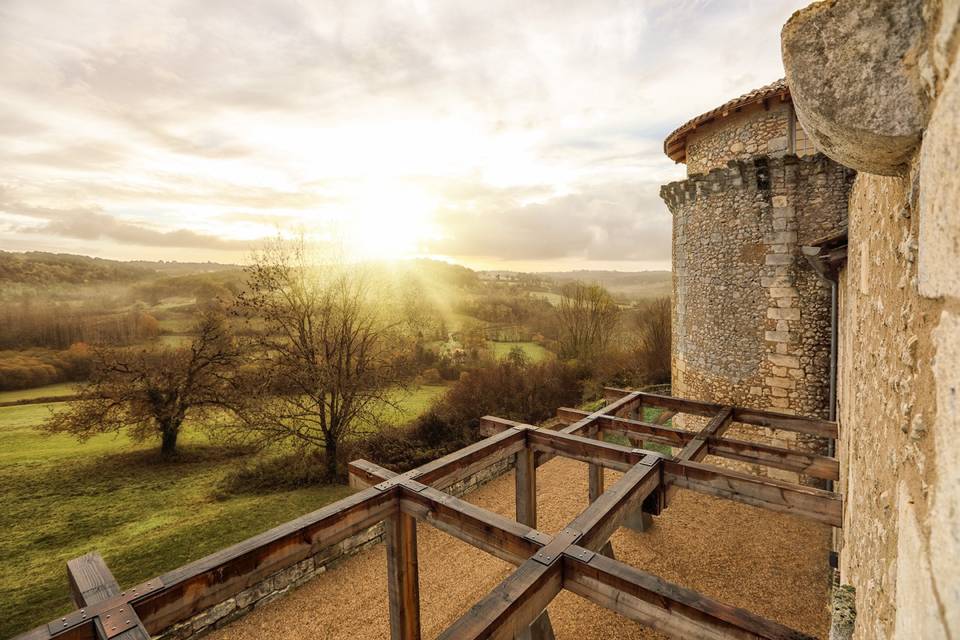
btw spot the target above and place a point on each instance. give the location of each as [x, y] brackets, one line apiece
[771, 564]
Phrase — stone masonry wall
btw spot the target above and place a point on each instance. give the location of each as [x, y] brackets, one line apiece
[751, 321]
[891, 108]
[296, 575]
[755, 131]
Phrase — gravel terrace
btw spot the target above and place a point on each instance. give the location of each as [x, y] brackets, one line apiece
[771, 564]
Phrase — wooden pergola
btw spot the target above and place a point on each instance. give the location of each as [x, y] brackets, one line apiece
[578, 558]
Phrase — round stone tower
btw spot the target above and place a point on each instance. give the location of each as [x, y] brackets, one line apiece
[751, 318]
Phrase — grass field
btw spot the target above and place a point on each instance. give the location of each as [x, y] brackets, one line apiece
[48, 391]
[60, 499]
[534, 351]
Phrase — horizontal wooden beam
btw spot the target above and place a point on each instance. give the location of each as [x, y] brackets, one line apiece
[756, 417]
[626, 403]
[499, 536]
[606, 514]
[194, 587]
[638, 432]
[696, 449]
[663, 606]
[784, 497]
[512, 606]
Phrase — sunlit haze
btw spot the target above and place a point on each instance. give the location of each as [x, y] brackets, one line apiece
[498, 135]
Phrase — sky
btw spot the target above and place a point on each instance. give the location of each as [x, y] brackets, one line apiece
[520, 134]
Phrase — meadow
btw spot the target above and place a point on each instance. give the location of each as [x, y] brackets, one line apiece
[60, 499]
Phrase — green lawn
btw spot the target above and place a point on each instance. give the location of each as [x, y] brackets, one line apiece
[60, 499]
[534, 351]
[48, 391]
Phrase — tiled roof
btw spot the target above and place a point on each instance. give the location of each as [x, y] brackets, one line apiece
[675, 145]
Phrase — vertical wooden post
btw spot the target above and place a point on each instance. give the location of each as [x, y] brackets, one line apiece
[403, 579]
[594, 490]
[526, 481]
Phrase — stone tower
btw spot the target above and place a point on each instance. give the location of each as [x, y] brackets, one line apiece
[751, 318]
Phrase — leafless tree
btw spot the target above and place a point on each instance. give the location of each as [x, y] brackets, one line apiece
[331, 356]
[587, 317]
[151, 392]
[654, 340]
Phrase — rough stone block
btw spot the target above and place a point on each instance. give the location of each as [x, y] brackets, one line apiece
[778, 258]
[784, 361]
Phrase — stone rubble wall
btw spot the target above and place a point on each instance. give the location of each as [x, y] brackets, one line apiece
[891, 108]
[294, 576]
[755, 131]
[751, 319]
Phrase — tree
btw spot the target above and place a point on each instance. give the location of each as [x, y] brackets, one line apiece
[152, 392]
[587, 316]
[330, 355]
[654, 340]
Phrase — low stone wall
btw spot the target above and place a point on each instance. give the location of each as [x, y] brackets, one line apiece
[296, 575]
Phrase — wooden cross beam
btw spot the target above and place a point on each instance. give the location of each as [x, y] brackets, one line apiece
[638, 432]
[768, 493]
[756, 417]
[546, 563]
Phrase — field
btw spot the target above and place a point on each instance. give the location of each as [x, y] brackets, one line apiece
[534, 351]
[60, 499]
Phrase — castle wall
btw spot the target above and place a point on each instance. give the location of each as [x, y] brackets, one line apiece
[751, 321]
[894, 111]
[754, 131]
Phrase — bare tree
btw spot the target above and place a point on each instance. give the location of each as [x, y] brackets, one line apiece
[330, 355]
[654, 340]
[151, 392]
[587, 316]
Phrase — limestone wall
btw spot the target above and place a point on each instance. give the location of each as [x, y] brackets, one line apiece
[897, 113]
[754, 131]
[751, 321]
[291, 577]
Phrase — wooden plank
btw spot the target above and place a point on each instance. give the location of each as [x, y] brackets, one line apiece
[526, 487]
[594, 481]
[91, 581]
[512, 606]
[668, 608]
[403, 577]
[756, 417]
[785, 497]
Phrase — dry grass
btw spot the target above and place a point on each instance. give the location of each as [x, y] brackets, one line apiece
[771, 564]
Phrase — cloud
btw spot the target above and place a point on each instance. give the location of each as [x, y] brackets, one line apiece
[93, 224]
[536, 127]
[608, 222]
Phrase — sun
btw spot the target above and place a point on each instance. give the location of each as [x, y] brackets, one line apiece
[390, 222]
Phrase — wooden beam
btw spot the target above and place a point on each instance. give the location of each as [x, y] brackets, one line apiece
[629, 401]
[606, 514]
[194, 587]
[512, 606]
[668, 608]
[526, 487]
[91, 582]
[785, 497]
[403, 577]
[696, 449]
[638, 432]
[756, 417]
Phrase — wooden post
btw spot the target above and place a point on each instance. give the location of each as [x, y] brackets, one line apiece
[595, 490]
[403, 579]
[526, 482]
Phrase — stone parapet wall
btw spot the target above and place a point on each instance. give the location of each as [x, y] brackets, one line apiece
[751, 319]
[289, 578]
[755, 131]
